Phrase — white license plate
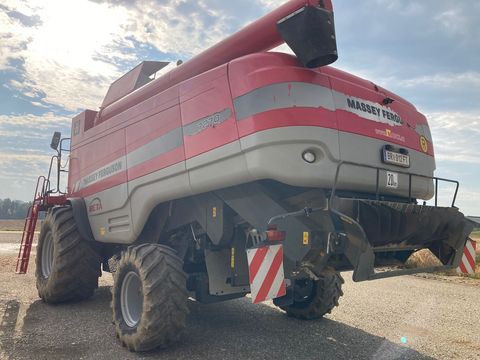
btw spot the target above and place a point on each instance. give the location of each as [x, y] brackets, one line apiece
[394, 158]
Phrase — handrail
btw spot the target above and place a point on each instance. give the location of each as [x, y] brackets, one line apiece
[45, 187]
[410, 176]
[59, 169]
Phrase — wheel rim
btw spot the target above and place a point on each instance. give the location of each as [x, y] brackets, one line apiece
[47, 255]
[131, 299]
[304, 291]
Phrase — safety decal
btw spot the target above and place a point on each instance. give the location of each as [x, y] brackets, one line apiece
[267, 279]
[467, 266]
[306, 238]
[424, 143]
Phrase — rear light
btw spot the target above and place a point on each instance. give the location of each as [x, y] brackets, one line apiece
[309, 157]
[273, 234]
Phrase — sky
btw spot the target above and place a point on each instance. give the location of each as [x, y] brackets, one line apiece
[59, 57]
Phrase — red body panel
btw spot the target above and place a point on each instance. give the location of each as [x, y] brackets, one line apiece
[201, 98]
[211, 101]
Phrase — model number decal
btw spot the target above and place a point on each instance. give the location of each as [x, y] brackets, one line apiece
[211, 121]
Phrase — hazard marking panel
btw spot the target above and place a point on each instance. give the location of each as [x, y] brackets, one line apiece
[267, 279]
[467, 266]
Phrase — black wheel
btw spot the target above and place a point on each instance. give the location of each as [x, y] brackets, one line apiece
[149, 297]
[314, 299]
[67, 267]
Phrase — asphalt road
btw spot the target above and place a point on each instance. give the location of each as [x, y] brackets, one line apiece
[399, 318]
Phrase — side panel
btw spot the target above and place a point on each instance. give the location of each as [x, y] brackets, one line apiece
[207, 112]
[154, 145]
[98, 174]
[212, 147]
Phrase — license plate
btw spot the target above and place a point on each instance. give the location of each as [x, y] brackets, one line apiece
[394, 158]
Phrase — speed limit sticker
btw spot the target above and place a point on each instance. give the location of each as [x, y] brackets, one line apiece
[392, 180]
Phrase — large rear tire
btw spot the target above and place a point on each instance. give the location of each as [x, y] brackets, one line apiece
[149, 297]
[314, 299]
[67, 267]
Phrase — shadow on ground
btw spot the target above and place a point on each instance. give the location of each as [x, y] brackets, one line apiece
[231, 330]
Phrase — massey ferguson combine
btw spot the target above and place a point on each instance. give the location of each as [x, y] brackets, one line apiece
[241, 171]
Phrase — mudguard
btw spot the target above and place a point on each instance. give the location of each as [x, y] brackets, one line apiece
[79, 210]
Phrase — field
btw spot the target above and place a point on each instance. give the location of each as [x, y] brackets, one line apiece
[11, 225]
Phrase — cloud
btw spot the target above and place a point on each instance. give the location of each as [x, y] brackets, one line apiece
[468, 81]
[455, 136]
[29, 135]
[466, 201]
[29, 121]
[77, 49]
[29, 165]
[19, 174]
[56, 57]
[14, 38]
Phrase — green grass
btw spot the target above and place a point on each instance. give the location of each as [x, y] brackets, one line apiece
[476, 233]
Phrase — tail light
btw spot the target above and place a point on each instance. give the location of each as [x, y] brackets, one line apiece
[273, 234]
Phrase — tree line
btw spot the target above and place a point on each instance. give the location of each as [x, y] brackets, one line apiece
[13, 209]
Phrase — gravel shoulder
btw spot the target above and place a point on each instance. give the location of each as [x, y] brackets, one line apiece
[436, 319]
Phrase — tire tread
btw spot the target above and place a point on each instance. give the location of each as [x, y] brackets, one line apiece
[165, 297]
[76, 267]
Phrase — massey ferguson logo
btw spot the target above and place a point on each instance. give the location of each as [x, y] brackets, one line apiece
[103, 173]
[95, 205]
[372, 111]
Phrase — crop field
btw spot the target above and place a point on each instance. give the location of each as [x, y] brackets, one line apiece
[11, 225]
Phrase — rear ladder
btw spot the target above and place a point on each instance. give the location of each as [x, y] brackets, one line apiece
[30, 223]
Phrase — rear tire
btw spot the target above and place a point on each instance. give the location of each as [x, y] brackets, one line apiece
[67, 267]
[320, 298]
[149, 297]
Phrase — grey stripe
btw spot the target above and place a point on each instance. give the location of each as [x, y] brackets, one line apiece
[210, 121]
[283, 96]
[157, 147]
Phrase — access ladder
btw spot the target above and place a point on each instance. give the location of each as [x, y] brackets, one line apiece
[30, 224]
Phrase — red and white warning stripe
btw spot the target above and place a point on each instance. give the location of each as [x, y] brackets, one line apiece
[267, 279]
[467, 266]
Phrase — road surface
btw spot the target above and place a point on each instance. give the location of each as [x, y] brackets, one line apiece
[399, 318]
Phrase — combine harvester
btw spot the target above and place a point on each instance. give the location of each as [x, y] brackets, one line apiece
[241, 171]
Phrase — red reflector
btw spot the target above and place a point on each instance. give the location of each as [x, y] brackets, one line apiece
[275, 235]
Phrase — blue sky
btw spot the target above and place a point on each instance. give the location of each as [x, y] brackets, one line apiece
[58, 57]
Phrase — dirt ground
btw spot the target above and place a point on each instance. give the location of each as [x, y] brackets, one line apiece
[398, 318]
[413, 317]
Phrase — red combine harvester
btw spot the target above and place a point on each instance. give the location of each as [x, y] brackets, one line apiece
[241, 171]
